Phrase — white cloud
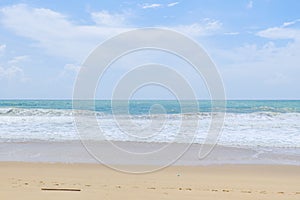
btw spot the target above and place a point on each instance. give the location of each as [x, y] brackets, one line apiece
[280, 33]
[172, 4]
[274, 67]
[158, 5]
[250, 5]
[18, 59]
[2, 48]
[206, 27]
[254, 71]
[70, 69]
[269, 54]
[284, 31]
[154, 5]
[231, 33]
[55, 33]
[285, 24]
[10, 68]
[264, 66]
[287, 57]
[104, 18]
[10, 72]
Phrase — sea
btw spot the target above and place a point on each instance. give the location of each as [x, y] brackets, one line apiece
[250, 124]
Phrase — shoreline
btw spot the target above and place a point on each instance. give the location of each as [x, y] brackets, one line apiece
[93, 181]
[75, 152]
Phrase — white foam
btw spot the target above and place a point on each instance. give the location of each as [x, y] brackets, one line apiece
[268, 129]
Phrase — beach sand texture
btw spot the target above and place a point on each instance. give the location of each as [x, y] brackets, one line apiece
[92, 181]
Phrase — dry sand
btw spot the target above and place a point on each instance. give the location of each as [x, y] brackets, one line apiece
[26, 180]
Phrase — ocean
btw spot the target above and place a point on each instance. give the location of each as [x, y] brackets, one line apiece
[269, 123]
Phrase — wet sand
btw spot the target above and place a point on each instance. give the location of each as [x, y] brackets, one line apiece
[74, 152]
[94, 181]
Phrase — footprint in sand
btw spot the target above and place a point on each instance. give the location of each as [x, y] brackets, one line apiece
[263, 192]
[225, 190]
[214, 190]
[280, 192]
[189, 189]
[151, 188]
[118, 186]
[246, 191]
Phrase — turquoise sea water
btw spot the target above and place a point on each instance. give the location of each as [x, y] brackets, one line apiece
[171, 106]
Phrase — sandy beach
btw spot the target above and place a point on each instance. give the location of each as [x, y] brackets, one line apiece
[93, 181]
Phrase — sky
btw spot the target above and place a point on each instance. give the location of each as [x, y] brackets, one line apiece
[255, 44]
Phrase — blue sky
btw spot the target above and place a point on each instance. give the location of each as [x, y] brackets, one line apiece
[255, 44]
